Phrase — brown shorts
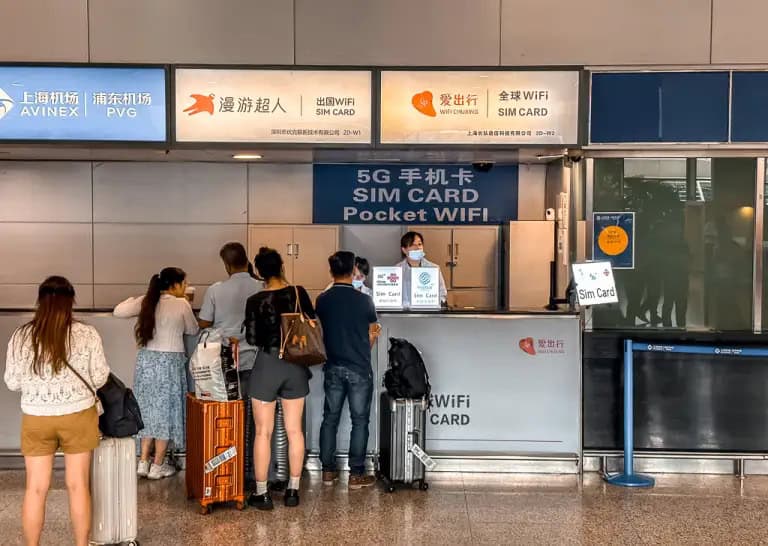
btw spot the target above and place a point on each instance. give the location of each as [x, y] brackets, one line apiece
[73, 433]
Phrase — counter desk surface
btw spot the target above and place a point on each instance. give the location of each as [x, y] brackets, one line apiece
[503, 382]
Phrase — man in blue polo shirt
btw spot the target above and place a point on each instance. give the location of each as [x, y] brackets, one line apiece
[350, 328]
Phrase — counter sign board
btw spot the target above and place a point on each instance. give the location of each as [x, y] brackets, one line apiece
[425, 288]
[82, 103]
[273, 106]
[388, 287]
[614, 238]
[414, 194]
[594, 283]
[474, 107]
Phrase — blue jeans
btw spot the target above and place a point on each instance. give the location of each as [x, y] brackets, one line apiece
[341, 383]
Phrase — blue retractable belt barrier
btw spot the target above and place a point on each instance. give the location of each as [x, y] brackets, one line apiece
[628, 478]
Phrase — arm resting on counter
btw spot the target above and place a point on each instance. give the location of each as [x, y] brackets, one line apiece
[129, 308]
[13, 373]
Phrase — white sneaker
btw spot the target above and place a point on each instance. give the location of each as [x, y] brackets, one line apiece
[162, 471]
[143, 469]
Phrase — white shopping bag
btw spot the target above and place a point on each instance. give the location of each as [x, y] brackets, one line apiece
[205, 367]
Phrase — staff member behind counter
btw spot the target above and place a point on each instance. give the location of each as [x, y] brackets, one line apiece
[412, 248]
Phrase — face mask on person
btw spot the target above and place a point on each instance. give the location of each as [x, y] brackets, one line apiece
[416, 255]
[357, 283]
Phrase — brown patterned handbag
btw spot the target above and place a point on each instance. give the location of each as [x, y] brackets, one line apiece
[301, 338]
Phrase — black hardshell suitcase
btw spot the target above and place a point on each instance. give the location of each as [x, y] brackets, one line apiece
[403, 424]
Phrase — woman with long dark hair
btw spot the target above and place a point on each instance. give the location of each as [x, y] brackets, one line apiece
[44, 359]
[164, 316]
[273, 378]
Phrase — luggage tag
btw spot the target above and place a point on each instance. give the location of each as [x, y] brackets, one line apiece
[220, 459]
[428, 462]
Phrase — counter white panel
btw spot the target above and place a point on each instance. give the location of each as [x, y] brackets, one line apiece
[501, 384]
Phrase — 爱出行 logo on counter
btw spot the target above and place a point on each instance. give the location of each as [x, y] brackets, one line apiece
[542, 346]
[424, 278]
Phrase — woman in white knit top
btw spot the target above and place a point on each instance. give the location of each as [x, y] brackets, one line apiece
[58, 410]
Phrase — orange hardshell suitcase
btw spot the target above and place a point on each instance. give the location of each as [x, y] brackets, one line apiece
[215, 452]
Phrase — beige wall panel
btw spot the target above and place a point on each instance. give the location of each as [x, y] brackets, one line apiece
[131, 254]
[605, 32]
[30, 252]
[44, 30]
[738, 31]
[280, 194]
[398, 32]
[192, 31]
[202, 193]
[45, 192]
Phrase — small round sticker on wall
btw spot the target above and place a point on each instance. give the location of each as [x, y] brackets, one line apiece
[613, 240]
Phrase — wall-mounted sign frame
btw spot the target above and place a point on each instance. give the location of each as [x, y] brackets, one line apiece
[84, 104]
[273, 106]
[488, 107]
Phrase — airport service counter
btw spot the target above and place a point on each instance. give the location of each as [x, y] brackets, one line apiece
[506, 387]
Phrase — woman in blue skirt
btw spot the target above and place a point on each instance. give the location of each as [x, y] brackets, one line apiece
[164, 316]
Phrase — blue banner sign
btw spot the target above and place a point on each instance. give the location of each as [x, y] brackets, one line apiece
[69, 103]
[614, 238]
[414, 194]
[699, 349]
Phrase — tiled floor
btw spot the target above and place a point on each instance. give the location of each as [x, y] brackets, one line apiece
[458, 509]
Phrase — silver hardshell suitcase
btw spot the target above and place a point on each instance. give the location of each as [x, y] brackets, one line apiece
[113, 492]
[403, 424]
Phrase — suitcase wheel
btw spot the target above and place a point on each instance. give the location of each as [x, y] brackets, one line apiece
[240, 505]
[423, 485]
[390, 488]
[205, 510]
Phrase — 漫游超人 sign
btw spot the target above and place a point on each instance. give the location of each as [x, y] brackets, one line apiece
[273, 106]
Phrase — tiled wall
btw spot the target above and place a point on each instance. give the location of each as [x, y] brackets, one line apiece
[109, 226]
[387, 32]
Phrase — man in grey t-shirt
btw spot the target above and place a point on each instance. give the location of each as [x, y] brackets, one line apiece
[224, 309]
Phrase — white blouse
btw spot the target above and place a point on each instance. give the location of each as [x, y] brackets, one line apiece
[173, 319]
[64, 393]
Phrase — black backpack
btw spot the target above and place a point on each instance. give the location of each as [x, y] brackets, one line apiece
[407, 375]
[122, 416]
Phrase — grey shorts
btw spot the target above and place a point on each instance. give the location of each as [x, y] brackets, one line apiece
[272, 378]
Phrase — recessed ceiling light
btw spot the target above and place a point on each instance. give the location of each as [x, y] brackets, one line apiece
[246, 156]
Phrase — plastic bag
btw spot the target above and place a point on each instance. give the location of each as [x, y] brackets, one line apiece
[213, 367]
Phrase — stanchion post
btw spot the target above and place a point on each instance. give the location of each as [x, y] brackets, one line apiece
[628, 478]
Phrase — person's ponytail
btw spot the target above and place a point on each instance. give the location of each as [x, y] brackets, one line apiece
[145, 325]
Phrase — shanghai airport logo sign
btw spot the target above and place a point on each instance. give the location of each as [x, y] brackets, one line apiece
[6, 103]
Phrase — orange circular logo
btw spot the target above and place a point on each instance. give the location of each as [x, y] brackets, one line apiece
[613, 240]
